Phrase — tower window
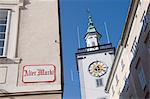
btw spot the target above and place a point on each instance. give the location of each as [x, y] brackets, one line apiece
[99, 82]
[93, 43]
[4, 23]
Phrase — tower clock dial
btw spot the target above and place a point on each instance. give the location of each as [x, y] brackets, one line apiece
[97, 69]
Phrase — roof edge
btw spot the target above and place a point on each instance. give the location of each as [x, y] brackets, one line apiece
[129, 21]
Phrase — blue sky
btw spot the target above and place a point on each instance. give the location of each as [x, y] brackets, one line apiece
[73, 15]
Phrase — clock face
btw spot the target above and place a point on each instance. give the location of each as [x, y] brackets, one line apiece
[97, 69]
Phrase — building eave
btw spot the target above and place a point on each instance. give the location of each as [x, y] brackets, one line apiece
[83, 53]
[113, 69]
[128, 22]
[61, 52]
[93, 33]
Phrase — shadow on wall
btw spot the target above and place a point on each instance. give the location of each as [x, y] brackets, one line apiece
[5, 93]
[26, 2]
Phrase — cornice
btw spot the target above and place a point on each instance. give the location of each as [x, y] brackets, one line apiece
[12, 2]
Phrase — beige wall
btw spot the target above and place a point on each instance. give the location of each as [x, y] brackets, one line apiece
[10, 1]
[33, 39]
[40, 30]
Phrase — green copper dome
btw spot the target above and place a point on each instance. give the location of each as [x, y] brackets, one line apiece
[91, 27]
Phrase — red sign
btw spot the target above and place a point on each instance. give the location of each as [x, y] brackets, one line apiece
[39, 73]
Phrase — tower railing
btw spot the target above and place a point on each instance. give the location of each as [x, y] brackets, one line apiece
[95, 48]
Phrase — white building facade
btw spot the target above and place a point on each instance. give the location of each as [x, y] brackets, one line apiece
[126, 51]
[30, 50]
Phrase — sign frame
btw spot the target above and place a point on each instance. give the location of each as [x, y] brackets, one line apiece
[44, 81]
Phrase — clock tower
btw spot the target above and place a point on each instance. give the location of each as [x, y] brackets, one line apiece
[94, 64]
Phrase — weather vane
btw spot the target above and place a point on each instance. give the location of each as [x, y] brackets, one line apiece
[88, 11]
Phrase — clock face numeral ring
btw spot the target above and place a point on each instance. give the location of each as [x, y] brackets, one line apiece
[97, 69]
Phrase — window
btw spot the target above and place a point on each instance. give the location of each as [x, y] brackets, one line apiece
[117, 80]
[113, 91]
[134, 48]
[147, 38]
[147, 41]
[131, 97]
[99, 82]
[139, 3]
[147, 96]
[122, 64]
[142, 79]
[93, 43]
[126, 85]
[4, 24]
[145, 22]
[138, 62]
[125, 77]
[142, 16]
[119, 91]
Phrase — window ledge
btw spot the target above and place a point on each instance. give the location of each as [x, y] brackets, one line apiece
[5, 60]
[17, 60]
[12, 2]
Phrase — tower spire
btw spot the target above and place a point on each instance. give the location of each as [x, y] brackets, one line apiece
[92, 36]
[91, 27]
